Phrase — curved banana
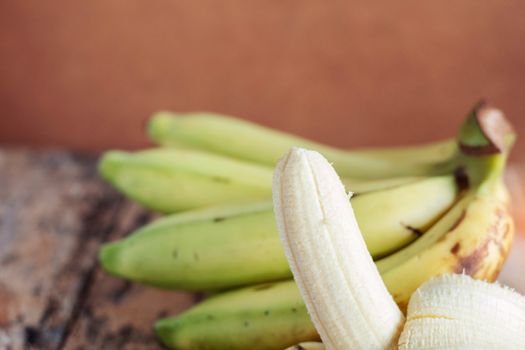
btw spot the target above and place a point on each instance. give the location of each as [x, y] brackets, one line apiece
[329, 258]
[248, 141]
[169, 180]
[262, 317]
[235, 245]
[474, 238]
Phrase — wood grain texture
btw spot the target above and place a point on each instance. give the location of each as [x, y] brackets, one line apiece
[54, 214]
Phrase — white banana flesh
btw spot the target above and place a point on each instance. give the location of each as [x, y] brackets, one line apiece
[342, 289]
[459, 312]
[311, 345]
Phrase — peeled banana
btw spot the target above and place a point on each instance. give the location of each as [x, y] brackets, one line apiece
[170, 180]
[458, 312]
[329, 258]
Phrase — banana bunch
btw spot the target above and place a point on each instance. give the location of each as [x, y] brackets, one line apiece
[345, 294]
[422, 211]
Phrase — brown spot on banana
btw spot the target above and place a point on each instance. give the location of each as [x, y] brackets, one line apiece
[263, 286]
[455, 249]
[478, 262]
[417, 232]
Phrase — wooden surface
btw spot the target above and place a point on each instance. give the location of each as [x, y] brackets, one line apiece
[54, 214]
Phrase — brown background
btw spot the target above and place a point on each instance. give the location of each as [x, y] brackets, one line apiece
[87, 74]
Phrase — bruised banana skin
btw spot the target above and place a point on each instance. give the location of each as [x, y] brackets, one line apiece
[267, 316]
[235, 245]
[474, 237]
[477, 243]
[249, 141]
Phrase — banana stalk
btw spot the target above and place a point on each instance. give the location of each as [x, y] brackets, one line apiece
[248, 141]
[235, 245]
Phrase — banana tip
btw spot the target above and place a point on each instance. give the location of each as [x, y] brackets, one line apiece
[164, 330]
[157, 126]
[109, 163]
[108, 257]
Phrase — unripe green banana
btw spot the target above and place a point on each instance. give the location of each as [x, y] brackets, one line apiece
[169, 180]
[248, 141]
[267, 316]
[236, 245]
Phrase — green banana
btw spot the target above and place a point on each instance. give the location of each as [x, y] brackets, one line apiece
[435, 152]
[248, 141]
[473, 237]
[267, 316]
[230, 246]
[170, 180]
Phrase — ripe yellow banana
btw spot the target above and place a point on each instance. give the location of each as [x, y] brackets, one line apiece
[248, 141]
[234, 245]
[329, 258]
[473, 237]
